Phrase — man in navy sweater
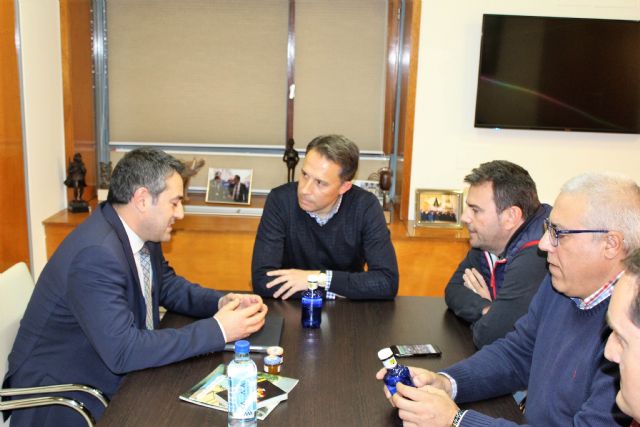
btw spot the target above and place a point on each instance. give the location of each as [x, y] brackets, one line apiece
[623, 345]
[494, 284]
[556, 350]
[323, 225]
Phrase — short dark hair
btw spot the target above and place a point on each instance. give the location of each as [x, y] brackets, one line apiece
[632, 266]
[512, 185]
[339, 150]
[143, 167]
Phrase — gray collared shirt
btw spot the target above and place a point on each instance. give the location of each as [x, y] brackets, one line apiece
[322, 221]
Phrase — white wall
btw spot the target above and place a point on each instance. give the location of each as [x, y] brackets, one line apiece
[447, 146]
[43, 117]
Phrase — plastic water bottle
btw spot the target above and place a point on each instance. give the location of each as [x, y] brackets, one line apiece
[242, 374]
[311, 304]
[396, 373]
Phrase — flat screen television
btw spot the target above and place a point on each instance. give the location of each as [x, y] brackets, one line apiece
[559, 74]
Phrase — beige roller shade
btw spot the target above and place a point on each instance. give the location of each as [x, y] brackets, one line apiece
[340, 70]
[268, 171]
[197, 71]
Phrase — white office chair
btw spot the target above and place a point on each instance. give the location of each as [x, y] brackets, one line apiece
[16, 286]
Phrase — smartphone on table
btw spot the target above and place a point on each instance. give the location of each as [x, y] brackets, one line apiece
[406, 350]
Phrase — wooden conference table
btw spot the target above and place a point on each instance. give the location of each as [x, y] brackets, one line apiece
[336, 365]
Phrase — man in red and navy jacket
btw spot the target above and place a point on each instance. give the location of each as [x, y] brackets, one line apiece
[493, 286]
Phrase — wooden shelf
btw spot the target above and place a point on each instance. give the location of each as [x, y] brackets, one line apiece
[437, 233]
[216, 250]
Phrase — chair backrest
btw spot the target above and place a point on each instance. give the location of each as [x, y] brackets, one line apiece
[16, 287]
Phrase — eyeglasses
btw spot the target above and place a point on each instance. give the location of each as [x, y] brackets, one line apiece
[555, 233]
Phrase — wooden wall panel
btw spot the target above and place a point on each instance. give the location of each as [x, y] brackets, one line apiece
[408, 58]
[219, 260]
[14, 235]
[393, 35]
[408, 104]
[216, 251]
[77, 81]
[426, 265]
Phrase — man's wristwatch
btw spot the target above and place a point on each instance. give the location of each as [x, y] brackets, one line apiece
[457, 419]
[322, 278]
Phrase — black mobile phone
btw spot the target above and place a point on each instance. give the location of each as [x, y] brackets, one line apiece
[428, 350]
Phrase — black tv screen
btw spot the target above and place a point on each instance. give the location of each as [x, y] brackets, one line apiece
[559, 74]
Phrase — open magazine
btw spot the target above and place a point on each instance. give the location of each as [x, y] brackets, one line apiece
[212, 391]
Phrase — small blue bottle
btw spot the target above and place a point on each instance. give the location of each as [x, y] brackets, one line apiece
[311, 304]
[396, 373]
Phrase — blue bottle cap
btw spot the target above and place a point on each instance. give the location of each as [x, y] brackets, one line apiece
[242, 346]
[272, 360]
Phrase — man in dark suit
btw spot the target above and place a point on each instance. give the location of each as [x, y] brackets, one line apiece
[239, 190]
[94, 314]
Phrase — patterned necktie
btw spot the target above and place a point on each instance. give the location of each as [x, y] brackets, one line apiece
[145, 263]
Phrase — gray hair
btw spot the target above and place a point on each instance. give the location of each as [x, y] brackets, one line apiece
[613, 203]
[142, 167]
[339, 150]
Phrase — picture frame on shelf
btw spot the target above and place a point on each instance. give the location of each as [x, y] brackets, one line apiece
[438, 208]
[371, 186]
[232, 186]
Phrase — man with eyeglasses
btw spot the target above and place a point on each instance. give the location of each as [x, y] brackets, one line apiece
[494, 284]
[556, 349]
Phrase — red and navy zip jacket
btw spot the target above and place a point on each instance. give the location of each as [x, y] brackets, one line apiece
[527, 236]
[521, 267]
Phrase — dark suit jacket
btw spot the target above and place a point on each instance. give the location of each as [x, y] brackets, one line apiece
[85, 322]
[243, 193]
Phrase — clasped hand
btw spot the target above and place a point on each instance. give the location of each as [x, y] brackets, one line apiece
[474, 281]
[290, 281]
[428, 404]
[240, 315]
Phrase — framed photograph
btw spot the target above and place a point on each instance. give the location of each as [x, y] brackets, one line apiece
[229, 186]
[371, 186]
[438, 208]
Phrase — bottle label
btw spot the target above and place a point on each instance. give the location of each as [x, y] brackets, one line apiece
[242, 395]
[390, 363]
[311, 309]
[311, 302]
[399, 374]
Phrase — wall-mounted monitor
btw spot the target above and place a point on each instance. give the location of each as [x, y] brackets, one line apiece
[559, 74]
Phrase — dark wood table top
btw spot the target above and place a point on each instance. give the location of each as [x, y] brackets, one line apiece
[336, 365]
